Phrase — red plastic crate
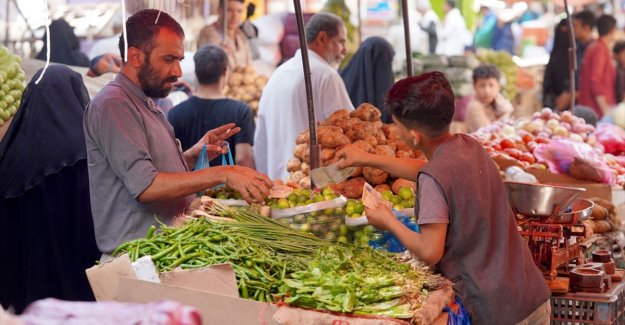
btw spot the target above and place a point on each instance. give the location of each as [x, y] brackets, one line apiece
[590, 308]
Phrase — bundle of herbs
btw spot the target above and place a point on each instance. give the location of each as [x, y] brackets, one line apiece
[359, 280]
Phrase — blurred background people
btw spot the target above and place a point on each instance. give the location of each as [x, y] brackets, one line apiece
[235, 42]
[65, 46]
[209, 108]
[369, 74]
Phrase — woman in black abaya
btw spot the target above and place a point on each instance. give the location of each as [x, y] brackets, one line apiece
[46, 229]
[369, 74]
[65, 45]
[556, 81]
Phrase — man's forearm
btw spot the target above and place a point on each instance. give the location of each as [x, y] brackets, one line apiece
[170, 186]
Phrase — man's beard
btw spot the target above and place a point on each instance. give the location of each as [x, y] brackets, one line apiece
[151, 84]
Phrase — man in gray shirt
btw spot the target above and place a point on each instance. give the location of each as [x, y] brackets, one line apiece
[137, 171]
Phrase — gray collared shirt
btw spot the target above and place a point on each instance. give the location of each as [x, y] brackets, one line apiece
[129, 141]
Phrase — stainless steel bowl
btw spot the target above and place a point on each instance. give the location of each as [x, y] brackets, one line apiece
[540, 200]
[579, 210]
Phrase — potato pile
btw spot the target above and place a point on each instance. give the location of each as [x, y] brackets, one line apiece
[361, 128]
[604, 217]
[245, 85]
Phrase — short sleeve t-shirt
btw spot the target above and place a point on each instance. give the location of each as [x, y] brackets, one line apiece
[194, 117]
[433, 207]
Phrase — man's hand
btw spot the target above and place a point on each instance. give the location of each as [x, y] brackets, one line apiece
[252, 185]
[351, 156]
[214, 141]
[380, 216]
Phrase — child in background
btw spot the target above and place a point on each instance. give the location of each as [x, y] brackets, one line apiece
[619, 57]
[488, 105]
[468, 229]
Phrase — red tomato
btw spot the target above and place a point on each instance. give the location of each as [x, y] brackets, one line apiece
[528, 138]
[541, 140]
[497, 147]
[513, 152]
[507, 144]
[528, 157]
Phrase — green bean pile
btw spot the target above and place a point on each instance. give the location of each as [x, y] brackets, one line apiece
[261, 250]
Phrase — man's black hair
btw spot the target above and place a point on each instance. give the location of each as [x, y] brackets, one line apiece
[605, 24]
[587, 18]
[486, 71]
[143, 27]
[424, 102]
[211, 62]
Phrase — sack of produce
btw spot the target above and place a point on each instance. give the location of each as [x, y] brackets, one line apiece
[319, 213]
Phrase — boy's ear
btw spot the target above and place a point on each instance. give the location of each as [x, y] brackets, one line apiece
[416, 137]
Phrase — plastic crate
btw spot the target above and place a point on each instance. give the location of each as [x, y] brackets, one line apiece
[588, 308]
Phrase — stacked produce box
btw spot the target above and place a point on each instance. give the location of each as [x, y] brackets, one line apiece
[458, 69]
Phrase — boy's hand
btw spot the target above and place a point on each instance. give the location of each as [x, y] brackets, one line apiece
[351, 156]
[381, 216]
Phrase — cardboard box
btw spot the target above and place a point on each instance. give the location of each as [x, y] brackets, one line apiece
[213, 290]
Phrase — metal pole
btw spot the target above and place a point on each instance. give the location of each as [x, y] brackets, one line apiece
[224, 15]
[312, 124]
[572, 54]
[359, 23]
[6, 27]
[404, 12]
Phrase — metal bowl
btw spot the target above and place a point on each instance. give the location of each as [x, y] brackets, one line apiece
[579, 210]
[540, 200]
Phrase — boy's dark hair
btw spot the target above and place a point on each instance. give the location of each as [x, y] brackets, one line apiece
[486, 71]
[322, 22]
[211, 62]
[587, 18]
[424, 102]
[451, 3]
[605, 24]
[587, 113]
[618, 47]
[142, 28]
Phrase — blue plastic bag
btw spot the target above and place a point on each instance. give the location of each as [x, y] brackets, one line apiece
[388, 241]
[203, 161]
[460, 318]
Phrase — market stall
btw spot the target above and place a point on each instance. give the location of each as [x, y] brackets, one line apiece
[217, 249]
